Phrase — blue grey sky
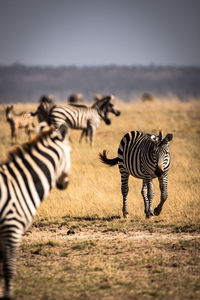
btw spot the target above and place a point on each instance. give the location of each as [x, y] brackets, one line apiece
[100, 32]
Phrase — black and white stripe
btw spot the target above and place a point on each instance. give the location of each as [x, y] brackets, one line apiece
[82, 117]
[26, 178]
[143, 156]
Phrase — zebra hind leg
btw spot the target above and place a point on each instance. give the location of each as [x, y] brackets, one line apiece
[147, 194]
[82, 135]
[91, 132]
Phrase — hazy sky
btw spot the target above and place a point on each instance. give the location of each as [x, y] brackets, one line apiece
[96, 32]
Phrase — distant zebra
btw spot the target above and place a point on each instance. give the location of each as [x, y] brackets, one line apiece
[28, 175]
[16, 121]
[44, 107]
[143, 156]
[75, 98]
[82, 117]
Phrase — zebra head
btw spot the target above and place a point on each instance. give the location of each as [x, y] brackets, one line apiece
[45, 105]
[104, 107]
[161, 152]
[65, 164]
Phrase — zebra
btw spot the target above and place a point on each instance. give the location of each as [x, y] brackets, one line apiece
[143, 156]
[16, 121]
[45, 105]
[82, 117]
[26, 178]
[75, 98]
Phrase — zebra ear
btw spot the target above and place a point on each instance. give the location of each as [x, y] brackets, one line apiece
[63, 131]
[167, 139]
[112, 97]
[160, 135]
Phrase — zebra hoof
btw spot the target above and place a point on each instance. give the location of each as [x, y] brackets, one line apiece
[125, 215]
[149, 215]
[156, 211]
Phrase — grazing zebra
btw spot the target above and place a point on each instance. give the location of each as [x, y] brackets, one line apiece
[75, 98]
[16, 121]
[44, 107]
[30, 172]
[82, 117]
[143, 156]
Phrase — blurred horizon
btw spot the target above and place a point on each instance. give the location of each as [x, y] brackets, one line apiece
[99, 33]
[20, 83]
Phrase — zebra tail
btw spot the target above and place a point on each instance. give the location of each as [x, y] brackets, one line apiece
[33, 114]
[103, 158]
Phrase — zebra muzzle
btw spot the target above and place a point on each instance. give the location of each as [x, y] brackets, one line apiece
[117, 113]
[107, 121]
[159, 170]
[62, 186]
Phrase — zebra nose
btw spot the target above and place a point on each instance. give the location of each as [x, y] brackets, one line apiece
[62, 186]
[107, 121]
[159, 170]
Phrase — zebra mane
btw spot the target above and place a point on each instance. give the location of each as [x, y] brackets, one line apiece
[28, 145]
[101, 103]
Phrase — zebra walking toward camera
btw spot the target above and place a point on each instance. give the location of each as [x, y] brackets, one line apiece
[143, 156]
[17, 121]
[26, 178]
[82, 117]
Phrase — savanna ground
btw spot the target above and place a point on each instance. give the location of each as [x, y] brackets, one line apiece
[80, 247]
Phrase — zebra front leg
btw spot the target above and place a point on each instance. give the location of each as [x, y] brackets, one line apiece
[91, 131]
[163, 180]
[147, 194]
[9, 260]
[124, 190]
[82, 135]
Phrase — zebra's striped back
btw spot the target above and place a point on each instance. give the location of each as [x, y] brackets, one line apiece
[26, 178]
[75, 117]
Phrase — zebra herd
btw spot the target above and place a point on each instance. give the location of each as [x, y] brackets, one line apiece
[35, 167]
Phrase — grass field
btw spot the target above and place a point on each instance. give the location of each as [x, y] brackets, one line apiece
[80, 247]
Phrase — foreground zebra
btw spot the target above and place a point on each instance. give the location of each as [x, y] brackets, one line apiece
[16, 121]
[82, 117]
[143, 156]
[29, 174]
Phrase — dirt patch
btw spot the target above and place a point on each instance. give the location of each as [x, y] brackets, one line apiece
[35, 234]
[93, 262]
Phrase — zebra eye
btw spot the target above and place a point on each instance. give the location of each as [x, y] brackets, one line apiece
[153, 138]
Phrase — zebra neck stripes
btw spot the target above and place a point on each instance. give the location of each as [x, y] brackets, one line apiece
[26, 178]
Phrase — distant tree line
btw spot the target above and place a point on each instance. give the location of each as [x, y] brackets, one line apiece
[19, 83]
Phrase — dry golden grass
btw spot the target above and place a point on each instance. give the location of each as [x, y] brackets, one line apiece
[95, 190]
[107, 257]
